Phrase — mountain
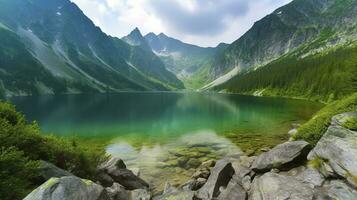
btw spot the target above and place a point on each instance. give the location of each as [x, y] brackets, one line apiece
[300, 28]
[52, 47]
[189, 62]
[135, 38]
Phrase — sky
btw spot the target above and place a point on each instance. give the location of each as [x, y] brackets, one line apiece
[201, 22]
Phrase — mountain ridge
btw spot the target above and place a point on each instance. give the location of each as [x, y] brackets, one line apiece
[68, 45]
[305, 27]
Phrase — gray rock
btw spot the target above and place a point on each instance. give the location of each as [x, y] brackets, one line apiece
[112, 164]
[127, 179]
[283, 156]
[311, 176]
[220, 176]
[104, 179]
[48, 170]
[338, 148]
[68, 188]
[201, 173]
[336, 189]
[208, 164]
[341, 119]
[240, 170]
[195, 184]
[114, 170]
[136, 171]
[117, 192]
[175, 194]
[140, 194]
[272, 186]
[246, 182]
[234, 191]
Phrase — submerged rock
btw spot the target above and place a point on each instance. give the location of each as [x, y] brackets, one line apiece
[220, 176]
[282, 156]
[272, 186]
[338, 149]
[68, 188]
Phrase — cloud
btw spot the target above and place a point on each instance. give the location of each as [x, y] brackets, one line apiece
[201, 22]
[198, 17]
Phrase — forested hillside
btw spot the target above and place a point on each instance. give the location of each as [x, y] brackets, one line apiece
[326, 76]
[302, 26]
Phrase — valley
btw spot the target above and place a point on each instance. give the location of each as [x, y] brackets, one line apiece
[89, 115]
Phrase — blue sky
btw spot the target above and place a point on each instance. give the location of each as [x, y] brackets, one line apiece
[201, 22]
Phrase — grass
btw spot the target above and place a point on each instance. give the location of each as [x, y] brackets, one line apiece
[314, 129]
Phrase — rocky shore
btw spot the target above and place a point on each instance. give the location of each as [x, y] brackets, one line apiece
[293, 170]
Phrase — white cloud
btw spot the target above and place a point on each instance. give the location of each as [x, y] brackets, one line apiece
[201, 22]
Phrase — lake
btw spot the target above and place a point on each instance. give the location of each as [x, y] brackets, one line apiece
[167, 135]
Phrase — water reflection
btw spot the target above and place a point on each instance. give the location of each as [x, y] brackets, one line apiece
[173, 162]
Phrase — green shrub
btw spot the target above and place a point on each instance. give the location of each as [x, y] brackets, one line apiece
[16, 172]
[314, 129]
[73, 155]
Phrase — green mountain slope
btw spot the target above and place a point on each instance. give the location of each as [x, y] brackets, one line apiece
[77, 54]
[190, 63]
[325, 76]
[303, 26]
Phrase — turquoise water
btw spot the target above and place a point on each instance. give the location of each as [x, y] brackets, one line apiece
[151, 131]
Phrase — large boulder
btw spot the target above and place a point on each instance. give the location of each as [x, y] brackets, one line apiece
[283, 156]
[234, 191]
[338, 149]
[336, 189]
[68, 188]
[272, 186]
[48, 170]
[114, 170]
[220, 176]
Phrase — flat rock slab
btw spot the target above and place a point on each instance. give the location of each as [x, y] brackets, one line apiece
[220, 176]
[282, 156]
[338, 147]
[272, 186]
[68, 188]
